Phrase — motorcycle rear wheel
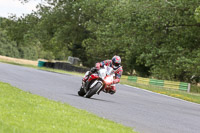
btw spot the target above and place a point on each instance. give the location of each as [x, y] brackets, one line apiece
[93, 90]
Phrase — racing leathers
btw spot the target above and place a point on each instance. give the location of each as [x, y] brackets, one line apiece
[117, 70]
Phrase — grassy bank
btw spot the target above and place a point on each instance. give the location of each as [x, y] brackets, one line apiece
[43, 68]
[24, 112]
[192, 97]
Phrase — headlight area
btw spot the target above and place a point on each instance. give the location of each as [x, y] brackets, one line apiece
[108, 79]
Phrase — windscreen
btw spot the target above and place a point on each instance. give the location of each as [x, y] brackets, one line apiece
[102, 73]
[109, 71]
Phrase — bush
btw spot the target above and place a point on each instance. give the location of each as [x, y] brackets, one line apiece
[7, 47]
[195, 89]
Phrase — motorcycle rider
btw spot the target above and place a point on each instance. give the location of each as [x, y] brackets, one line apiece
[115, 63]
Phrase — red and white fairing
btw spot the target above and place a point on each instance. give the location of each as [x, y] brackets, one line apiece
[97, 82]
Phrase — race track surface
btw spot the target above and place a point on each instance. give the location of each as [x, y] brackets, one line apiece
[144, 111]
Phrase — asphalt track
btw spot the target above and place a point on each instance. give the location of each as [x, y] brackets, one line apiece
[144, 111]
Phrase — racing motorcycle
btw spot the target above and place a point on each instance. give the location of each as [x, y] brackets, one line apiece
[97, 82]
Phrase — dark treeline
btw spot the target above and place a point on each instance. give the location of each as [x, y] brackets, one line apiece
[155, 38]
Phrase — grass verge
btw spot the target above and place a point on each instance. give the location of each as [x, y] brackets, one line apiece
[24, 112]
[43, 68]
[192, 97]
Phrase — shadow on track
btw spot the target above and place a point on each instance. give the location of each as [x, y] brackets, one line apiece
[102, 100]
[97, 99]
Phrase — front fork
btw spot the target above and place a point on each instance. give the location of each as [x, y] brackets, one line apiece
[85, 78]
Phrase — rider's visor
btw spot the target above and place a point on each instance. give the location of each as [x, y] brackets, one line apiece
[116, 64]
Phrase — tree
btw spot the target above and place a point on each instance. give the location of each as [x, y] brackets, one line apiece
[7, 47]
[165, 37]
[157, 38]
[60, 28]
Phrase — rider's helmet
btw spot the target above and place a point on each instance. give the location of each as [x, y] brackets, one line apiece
[116, 61]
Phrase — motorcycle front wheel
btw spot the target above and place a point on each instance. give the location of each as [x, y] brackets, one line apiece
[93, 90]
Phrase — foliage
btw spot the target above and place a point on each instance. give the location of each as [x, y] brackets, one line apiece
[197, 14]
[60, 30]
[167, 38]
[7, 47]
[157, 38]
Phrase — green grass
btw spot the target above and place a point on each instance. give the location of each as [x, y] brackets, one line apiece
[60, 71]
[195, 89]
[22, 112]
[18, 64]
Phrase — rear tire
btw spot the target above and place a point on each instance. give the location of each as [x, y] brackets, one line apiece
[81, 92]
[93, 90]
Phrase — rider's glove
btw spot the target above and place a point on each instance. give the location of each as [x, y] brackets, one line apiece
[98, 65]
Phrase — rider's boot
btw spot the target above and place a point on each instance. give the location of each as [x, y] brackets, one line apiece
[111, 92]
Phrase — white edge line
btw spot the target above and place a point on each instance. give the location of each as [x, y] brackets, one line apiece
[160, 94]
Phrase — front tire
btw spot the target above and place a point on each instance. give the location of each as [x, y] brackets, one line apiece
[93, 90]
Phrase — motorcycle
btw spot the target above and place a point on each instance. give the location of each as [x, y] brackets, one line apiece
[97, 82]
